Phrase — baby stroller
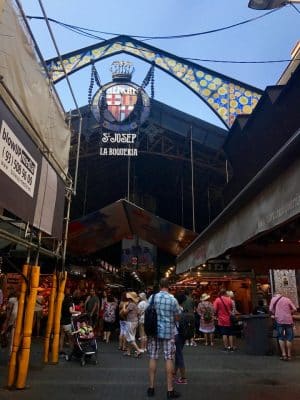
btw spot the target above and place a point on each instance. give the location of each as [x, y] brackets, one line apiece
[84, 342]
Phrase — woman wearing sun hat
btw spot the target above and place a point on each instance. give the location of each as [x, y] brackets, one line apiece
[206, 312]
[131, 313]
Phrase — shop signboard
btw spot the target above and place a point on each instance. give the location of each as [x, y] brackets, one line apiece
[11, 284]
[284, 282]
[30, 188]
[16, 162]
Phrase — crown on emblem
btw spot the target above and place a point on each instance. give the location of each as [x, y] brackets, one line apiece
[122, 70]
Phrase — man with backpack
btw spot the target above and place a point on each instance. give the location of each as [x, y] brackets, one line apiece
[167, 310]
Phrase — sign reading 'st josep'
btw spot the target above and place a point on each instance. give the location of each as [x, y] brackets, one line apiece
[15, 161]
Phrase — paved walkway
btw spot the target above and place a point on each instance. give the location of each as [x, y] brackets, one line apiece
[212, 375]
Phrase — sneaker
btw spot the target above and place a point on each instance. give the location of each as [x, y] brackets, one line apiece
[172, 394]
[226, 350]
[150, 392]
[181, 381]
[187, 343]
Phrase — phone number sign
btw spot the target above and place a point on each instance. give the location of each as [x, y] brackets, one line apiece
[15, 161]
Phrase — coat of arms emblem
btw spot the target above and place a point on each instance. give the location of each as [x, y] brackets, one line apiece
[121, 100]
[121, 105]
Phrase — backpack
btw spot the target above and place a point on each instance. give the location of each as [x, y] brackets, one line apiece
[207, 315]
[150, 319]
[186, 325]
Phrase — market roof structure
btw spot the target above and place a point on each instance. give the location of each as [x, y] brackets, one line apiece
[121, 219]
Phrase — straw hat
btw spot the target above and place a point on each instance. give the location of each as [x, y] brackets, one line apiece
[133, 296]
[204, 297]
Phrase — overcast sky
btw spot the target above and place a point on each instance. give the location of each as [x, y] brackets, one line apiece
[269, 38]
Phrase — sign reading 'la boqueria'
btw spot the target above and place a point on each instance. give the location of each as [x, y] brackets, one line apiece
[120, 107]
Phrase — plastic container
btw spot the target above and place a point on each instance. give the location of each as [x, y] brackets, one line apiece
[258, 340]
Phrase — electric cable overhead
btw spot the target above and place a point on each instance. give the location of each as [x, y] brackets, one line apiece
[242, 62]
[87, 30]
[296, 8]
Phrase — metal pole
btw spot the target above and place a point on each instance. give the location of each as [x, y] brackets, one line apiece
[226, 166]
[192, 178]
[59, 56]
[85, 191]
[128, 178]
[67, 219]
[77, 156]
[208, 204]
[71, 91]
[272, 285]
[38, 248]
[182, 205]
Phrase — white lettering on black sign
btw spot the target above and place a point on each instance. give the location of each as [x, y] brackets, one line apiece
[120, 89]
[117, 151]
[15, 161]
[111, 139]
[118, 138]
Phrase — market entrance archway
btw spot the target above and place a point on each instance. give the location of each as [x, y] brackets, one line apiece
[227, 97]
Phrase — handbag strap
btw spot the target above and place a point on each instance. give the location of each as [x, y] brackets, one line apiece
[226, 308]
[275, 304]
[152, 299]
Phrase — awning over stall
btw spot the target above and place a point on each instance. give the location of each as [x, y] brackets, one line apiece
[121, 219]
[269, 200]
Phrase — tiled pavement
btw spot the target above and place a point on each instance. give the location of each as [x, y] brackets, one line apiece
[212, 375]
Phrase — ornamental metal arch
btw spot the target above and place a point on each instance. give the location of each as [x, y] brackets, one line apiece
[226, 96]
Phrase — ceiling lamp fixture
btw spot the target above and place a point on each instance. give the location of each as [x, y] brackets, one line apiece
[269, 4]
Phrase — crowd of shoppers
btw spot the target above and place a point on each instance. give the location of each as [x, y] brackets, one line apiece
[122, 316]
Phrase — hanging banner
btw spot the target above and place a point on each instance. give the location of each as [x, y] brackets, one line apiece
[137, 252]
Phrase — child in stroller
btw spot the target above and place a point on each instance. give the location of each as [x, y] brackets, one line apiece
[85, 331]
[85, 344]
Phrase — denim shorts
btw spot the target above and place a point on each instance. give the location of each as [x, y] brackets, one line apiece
[285, 332]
